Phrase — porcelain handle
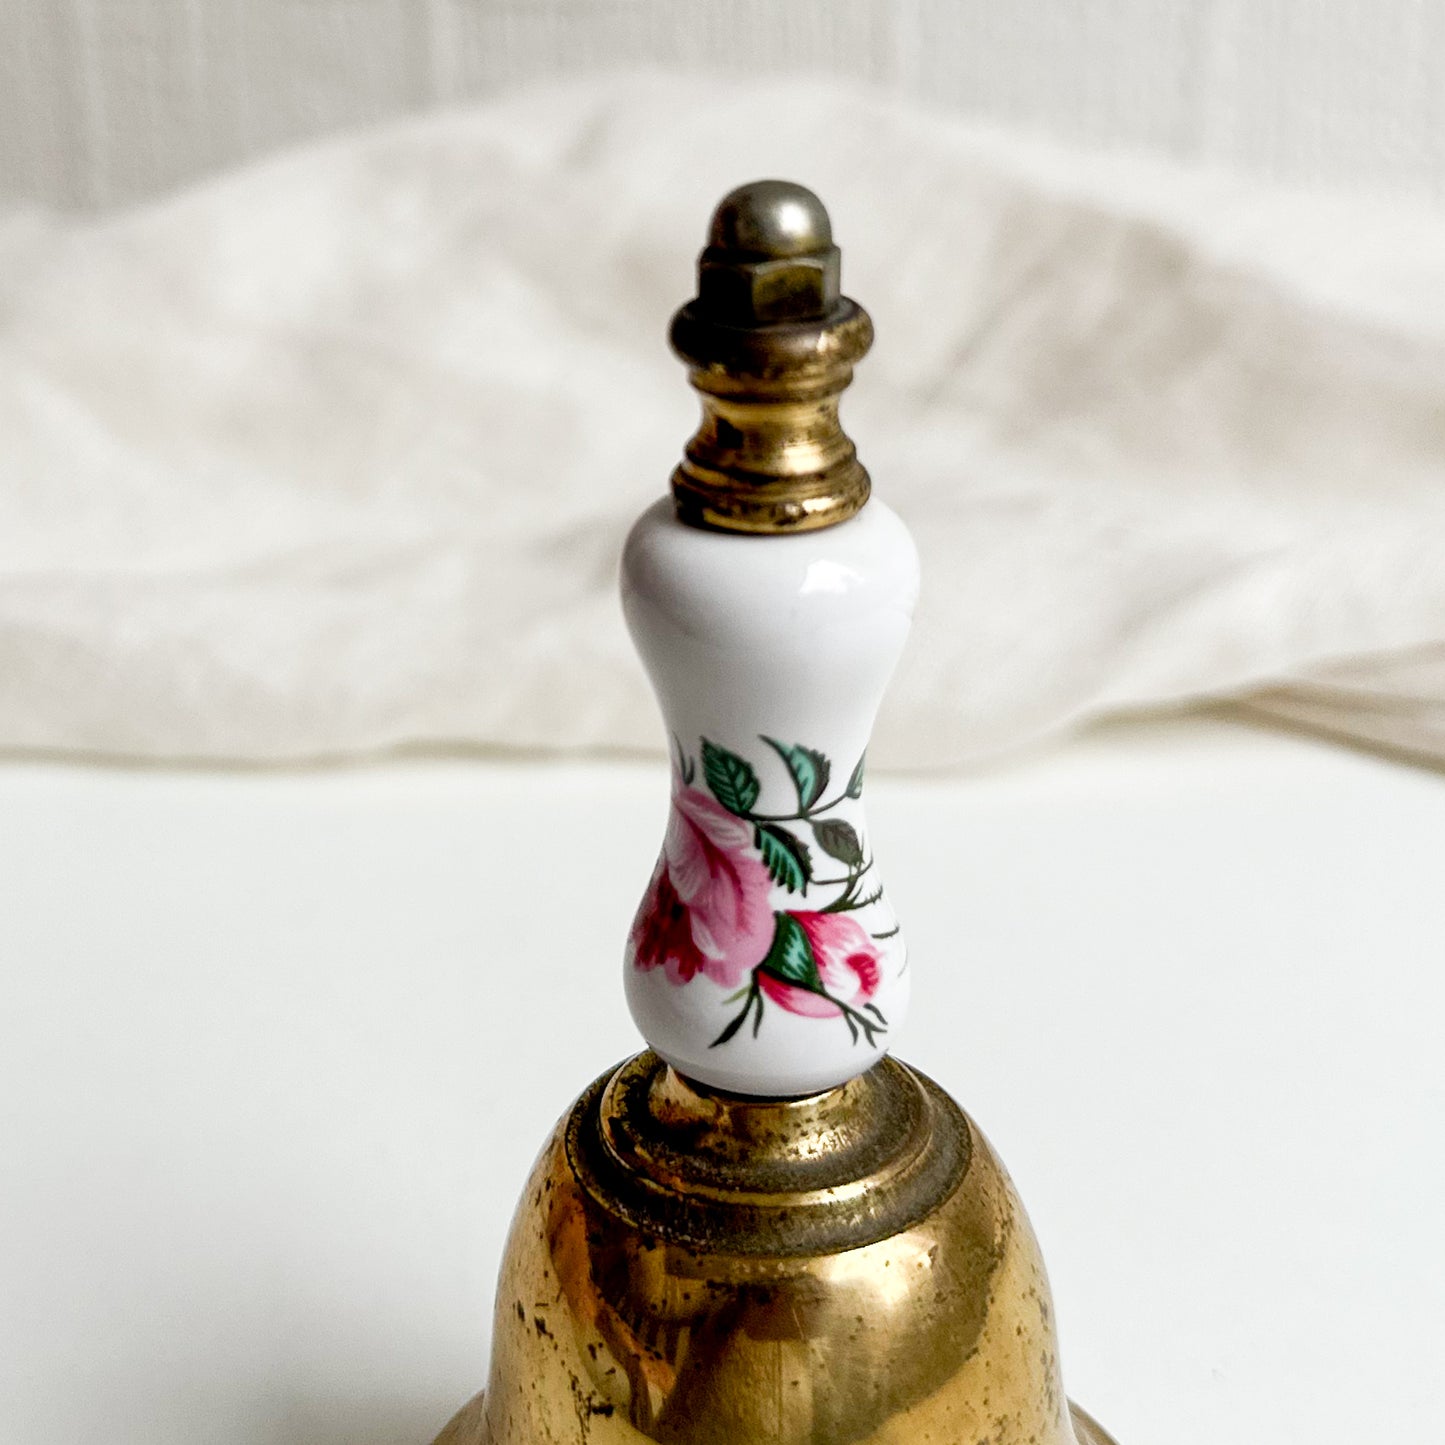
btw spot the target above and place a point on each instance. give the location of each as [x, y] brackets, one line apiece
[766, 958]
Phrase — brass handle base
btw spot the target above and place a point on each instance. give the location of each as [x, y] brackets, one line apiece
[469, 1426]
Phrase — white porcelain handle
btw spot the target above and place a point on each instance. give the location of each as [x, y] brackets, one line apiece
[765, 957]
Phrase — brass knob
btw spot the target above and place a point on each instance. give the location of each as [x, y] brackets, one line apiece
[770, 257]
[770, 342]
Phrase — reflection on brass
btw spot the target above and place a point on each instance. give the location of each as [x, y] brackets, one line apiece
[697, 1268]
[470, 1425]
[770, 343]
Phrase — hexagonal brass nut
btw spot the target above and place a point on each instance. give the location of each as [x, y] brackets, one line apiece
[739, 292]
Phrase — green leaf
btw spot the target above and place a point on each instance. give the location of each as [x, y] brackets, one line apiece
[839, 840]
[855, 783]
[785, 856]
[732, 1028]
[810, 771]
[733, 782]
[755, 999]
[791, 956]
[686, 768]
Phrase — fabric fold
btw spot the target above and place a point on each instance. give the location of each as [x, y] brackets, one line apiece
[336, 454]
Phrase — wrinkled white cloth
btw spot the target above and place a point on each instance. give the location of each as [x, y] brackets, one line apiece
[337, 454]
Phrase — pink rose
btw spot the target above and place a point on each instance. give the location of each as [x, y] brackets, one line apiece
[706, 909]
[848, 964]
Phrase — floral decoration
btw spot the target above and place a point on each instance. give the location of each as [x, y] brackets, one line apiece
[709, 908]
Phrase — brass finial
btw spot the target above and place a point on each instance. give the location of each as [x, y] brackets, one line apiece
[770, 343]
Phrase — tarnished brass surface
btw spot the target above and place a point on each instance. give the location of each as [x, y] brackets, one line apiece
[697, 1268]
[469, 1427]
[770, 343]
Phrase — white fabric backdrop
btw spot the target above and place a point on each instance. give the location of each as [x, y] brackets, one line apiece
[337, 454]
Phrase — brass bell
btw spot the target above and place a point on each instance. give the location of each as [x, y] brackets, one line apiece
[708, 1265]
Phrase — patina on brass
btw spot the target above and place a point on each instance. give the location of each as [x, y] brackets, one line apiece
[704, 1269]
[770, 343]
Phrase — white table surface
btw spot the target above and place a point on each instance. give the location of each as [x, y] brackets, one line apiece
[277, 1048]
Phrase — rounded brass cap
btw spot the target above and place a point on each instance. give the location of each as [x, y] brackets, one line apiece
[771, 218]
[770, 342]
[770, 257]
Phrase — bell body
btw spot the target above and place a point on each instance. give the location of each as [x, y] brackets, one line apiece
[715, 1307]
[766, 958]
